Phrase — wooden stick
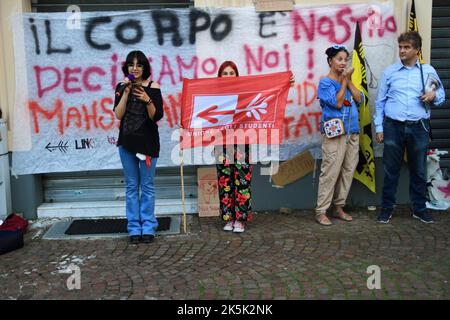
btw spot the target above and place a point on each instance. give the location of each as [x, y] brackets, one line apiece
[182, 192]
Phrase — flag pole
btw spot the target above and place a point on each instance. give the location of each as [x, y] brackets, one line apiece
[182, 187]
[413, 26]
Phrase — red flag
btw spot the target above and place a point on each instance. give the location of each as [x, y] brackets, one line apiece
[235, 110]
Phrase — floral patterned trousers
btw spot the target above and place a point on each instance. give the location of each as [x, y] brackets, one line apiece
[234, 173]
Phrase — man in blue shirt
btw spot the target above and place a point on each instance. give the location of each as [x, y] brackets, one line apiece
[402, 121]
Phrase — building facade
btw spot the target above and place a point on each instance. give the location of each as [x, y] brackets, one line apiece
[101, 193]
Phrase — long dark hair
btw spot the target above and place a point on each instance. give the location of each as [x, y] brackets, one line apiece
[141, 59]
[227, 64]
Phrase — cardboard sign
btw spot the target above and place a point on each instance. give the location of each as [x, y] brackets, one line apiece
[294, 169]
[274, 5]
[208, 194]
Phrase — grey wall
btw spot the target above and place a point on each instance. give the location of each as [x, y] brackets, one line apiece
[26, 195]
[27, 192]
[302, 194]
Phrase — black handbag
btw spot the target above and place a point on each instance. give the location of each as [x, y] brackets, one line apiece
[10, 240]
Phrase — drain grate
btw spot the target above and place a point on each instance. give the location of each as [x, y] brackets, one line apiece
[104, 226]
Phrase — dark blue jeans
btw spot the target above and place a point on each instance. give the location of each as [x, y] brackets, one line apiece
[414, 137]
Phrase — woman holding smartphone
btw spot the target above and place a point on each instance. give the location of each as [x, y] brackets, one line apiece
[138, 105]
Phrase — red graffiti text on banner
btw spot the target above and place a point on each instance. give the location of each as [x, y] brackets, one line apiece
[308, 25]
[83, 117]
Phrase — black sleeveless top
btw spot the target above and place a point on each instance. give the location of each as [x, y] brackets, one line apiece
[138, 133]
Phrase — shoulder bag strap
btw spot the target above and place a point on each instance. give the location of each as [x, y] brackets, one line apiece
[427, 108]
[423, 87]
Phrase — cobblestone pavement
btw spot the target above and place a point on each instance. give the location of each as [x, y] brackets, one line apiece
[280, 256]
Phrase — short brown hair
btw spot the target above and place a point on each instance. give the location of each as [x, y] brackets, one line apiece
[413, 37]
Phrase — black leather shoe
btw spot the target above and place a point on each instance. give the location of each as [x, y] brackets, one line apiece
[135, 239]
[147, 238]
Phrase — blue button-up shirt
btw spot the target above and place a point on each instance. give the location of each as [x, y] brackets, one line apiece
[399, 94]
[326, 93]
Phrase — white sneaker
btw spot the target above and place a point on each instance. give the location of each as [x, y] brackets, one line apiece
[228, 226]
[239, 226]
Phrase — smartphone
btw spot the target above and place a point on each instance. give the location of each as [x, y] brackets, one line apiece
[135, 85]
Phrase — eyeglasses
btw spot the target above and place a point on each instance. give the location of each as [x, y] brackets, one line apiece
[138, 66]
[339, 46]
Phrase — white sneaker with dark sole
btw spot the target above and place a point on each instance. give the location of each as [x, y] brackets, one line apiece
[424, 218]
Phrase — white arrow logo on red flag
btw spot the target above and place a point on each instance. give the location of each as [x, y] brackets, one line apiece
[257, 107]
[210, 113]
[222, 110]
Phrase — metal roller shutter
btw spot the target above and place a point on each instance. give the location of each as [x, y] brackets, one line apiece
[107, 5]
[102, 193]
[440, 59]
[108, 185]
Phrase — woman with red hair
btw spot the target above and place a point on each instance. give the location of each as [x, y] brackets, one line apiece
[234, 173]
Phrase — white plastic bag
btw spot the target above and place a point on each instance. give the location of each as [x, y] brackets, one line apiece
[434, 171]
[438, 188]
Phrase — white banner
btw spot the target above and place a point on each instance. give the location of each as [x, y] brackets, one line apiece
[67, 69]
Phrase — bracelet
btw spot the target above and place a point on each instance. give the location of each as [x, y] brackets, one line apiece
[149, 101]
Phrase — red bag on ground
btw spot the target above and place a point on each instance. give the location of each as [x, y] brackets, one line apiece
[13, 222]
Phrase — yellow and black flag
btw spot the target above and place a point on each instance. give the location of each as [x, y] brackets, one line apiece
[412, 26]
[365, 171]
